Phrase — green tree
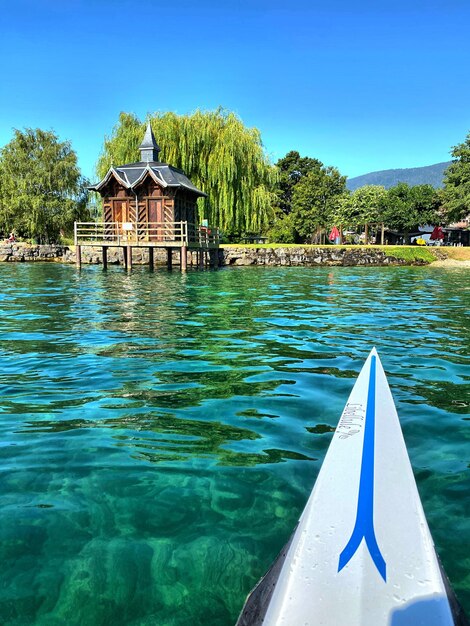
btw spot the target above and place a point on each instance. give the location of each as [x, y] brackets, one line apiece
[292, 168]
[219, 154]
[457, 182]
[41, 189]
[315, 200]
[362, 208]
[405, 207]
[344, 214]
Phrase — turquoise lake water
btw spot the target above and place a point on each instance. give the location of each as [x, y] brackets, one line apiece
[160, 433]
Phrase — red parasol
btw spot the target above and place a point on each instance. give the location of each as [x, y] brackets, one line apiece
[437, 233]
[334, 234]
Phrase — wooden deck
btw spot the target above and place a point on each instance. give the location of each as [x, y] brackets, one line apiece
[128, 235]
[145, 234]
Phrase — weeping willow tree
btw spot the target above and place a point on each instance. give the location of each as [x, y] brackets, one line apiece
[219, 154]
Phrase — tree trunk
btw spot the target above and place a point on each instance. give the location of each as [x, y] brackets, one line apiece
[366, 237]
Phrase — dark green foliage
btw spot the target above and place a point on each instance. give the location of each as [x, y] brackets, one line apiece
[41, 189]
[428, 175]
[407, 207]
[283, 230]
[292, 168]
[315, 199]
[218, 153]
[457, 182]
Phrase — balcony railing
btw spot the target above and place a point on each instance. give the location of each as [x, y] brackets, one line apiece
[145, 233]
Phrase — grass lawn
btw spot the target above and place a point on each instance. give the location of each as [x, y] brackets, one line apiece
[459, 254]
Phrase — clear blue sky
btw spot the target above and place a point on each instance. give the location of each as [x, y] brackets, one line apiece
[361, 85]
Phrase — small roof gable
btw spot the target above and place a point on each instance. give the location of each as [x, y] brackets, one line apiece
[119, 175]
[153, 172]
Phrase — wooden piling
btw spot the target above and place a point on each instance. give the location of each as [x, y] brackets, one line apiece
[169, 258]
[151, 258]
[129, 257]
[105, 257]
[184, 258]
[214, 258]
[78, 256]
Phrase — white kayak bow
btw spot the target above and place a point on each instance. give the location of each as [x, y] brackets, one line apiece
[362, 553]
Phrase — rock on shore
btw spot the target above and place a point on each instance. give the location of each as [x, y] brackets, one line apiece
[24, 252]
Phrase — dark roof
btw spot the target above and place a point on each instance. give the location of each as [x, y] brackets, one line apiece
[132, 174]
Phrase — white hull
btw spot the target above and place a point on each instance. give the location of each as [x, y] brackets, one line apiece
[362, 553]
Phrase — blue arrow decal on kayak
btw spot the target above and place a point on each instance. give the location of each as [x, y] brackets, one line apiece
[364, 527]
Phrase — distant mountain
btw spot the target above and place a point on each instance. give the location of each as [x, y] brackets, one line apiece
[428, 175]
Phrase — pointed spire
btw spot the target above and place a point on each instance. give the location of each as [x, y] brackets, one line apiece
[149, 148]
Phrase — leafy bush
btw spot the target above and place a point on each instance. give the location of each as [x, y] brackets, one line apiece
[283, 231]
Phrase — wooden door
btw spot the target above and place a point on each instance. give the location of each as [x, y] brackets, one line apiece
[121, 211]
[120, 216]
[156, 231]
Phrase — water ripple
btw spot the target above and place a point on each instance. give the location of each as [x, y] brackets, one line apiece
[160, 432]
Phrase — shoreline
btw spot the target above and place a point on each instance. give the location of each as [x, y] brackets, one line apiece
[275, 255]
[451, 263]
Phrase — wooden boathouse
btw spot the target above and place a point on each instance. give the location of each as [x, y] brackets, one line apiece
[148, 204]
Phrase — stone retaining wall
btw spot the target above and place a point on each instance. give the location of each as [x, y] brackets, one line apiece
[25, 252]
[228, 255]
[309, 256]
